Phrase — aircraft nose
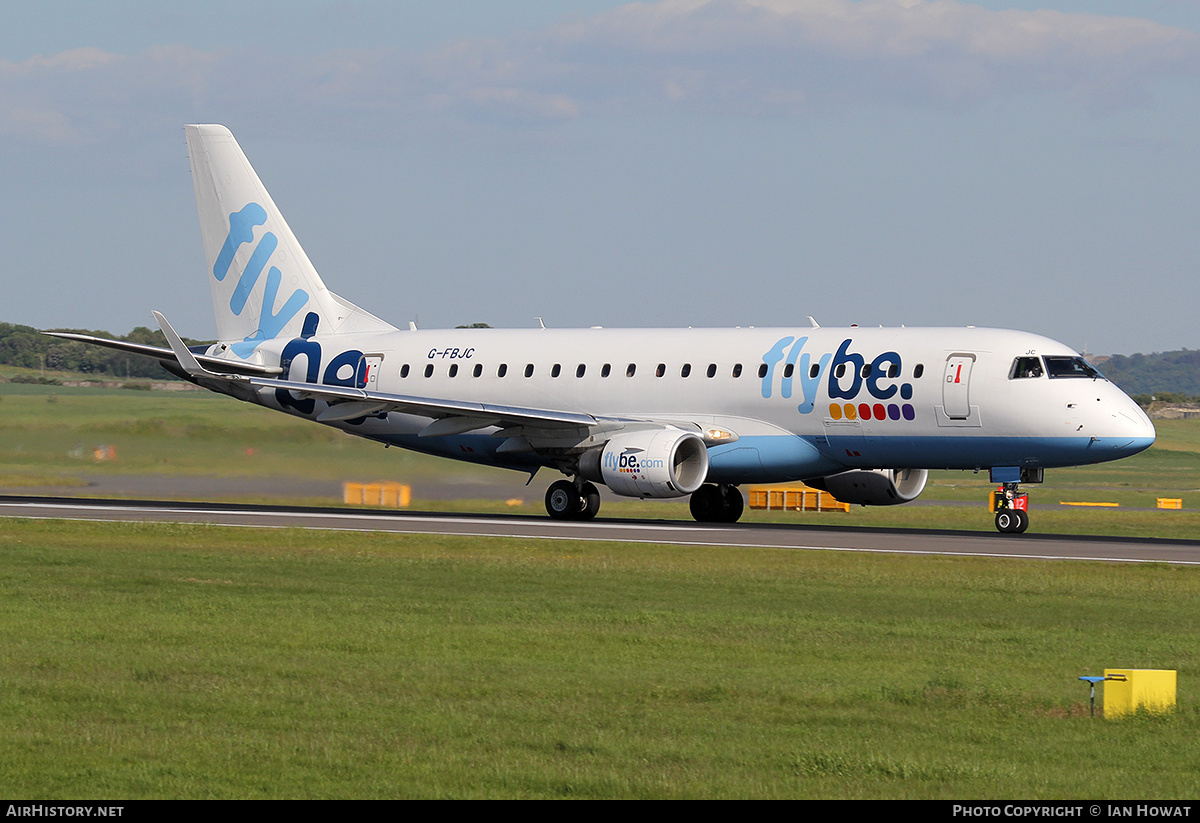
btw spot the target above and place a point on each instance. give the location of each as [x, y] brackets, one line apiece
[1135, 432]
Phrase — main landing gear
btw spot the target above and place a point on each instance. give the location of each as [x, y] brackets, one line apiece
[1012, 516]
[580, 500]
[572, 500]
[717, 503]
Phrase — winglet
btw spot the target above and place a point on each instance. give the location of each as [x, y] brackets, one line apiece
[182, 353]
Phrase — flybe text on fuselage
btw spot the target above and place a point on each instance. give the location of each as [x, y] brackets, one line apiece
[846, 374]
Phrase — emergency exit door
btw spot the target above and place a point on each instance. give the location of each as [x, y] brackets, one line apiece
[956, 388]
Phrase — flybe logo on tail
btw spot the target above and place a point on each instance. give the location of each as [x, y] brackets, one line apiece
[846, 374]
[270, 322]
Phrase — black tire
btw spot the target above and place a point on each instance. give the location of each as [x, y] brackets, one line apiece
[563, 501]
[706, 504]
[591, 501]
[732, 504]
[1006, 521]
[1022, 521]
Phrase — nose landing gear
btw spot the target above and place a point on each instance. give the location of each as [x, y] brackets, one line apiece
[1012, 515]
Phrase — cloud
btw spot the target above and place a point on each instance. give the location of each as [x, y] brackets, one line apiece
[788, 54]
[728, 57]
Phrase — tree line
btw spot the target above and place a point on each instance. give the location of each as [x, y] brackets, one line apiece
[26, 347]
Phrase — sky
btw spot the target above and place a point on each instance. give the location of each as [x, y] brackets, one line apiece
[1009, 163]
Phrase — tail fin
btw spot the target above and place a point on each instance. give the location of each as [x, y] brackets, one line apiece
[263, 285]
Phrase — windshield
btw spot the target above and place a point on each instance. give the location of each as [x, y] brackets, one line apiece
[1071, 367]
[1025, 367]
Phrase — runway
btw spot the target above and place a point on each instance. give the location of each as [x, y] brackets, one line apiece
[682, 533]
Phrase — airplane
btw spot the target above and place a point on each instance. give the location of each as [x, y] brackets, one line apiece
[863, 413]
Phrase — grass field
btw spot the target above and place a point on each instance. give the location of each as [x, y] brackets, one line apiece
[188, 661]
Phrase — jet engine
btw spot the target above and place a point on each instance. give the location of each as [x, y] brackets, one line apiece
[663, 463]
[874, 487]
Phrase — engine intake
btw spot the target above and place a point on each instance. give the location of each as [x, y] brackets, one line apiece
[663, 463]
[874, 487]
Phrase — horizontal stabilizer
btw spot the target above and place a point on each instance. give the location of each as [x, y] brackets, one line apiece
[167, 355]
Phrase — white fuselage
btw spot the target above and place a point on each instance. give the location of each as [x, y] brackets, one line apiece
[802, 402]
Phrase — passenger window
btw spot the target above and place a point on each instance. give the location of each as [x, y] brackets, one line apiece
[918, 371]
[712, 369]
[1023, 367]
[840, 370]
[579, 371]
[554, 370]
[814, 369]
[605, 370]
[788, 369]
[737, 369]
[661, 370]
[429, 370]
[502, 370]
[454, 370]
[866, 370]
[478, 370]
[893, 370]
[529, 370]
[629, 371]
[404, 370]
[762, 370]
[686, 370]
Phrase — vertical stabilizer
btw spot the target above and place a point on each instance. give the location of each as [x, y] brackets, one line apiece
[263, 285]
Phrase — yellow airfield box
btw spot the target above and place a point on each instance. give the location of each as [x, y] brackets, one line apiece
[389, 495]
[1128, 690]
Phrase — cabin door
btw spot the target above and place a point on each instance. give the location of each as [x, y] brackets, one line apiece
[956, 387]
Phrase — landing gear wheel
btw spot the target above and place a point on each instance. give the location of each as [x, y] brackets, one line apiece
[566, 501]
[591, 501]
[1012, 521]
[706, 504]
[563, 501]
[717, 504]
[1005, 521]
[1022, 521]
[732, 504]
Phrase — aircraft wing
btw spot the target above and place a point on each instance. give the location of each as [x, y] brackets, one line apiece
[347, 402]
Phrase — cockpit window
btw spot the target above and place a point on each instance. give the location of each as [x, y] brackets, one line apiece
[1024, 367]
[1071, 367]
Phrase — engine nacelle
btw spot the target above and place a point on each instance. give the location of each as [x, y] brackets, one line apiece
[663, 463]
[874, 487]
